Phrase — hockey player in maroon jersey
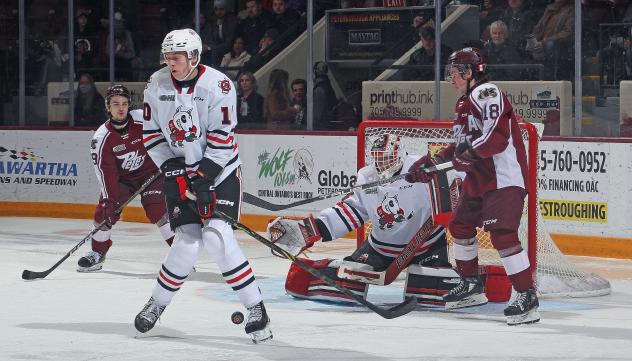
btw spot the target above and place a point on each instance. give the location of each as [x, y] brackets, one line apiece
[121, 164]
[487, 146]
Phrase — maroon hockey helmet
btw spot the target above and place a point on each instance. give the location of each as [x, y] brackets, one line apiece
[117, 89]
[464, 59]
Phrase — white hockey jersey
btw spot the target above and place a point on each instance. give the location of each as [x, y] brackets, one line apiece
[396, 210]
[192, 123]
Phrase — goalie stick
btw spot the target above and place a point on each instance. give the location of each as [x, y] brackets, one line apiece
[400, 309]
[400, 262]
[262, 203]
[33, 275]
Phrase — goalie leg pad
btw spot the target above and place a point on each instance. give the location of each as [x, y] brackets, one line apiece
[301, 284]
[429, 284]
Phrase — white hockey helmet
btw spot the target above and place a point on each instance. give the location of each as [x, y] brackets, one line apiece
[185, 40]
[388, 155]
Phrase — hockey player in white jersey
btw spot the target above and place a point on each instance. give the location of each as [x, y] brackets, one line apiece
[190, 117]
[399, 212]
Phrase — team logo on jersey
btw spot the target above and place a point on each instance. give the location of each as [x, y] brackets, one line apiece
[390, 212]
[224, 85]
[118, 148]
[181, 127]
[132, 160]
[487, 93]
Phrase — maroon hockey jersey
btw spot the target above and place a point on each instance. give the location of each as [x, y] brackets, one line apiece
[484, 119]
[120, 157]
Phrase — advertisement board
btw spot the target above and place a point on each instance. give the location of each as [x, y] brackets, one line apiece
[534, 101]
[369, 33]
[282, 169]
[584, 187]
[47, 166]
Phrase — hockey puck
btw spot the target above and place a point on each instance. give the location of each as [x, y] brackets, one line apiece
[237, 317]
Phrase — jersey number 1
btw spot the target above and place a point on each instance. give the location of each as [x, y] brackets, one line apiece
[226, 115]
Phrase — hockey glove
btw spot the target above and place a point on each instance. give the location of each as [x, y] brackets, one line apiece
[175, 173]
[293, 236]
[205, 192]
[417, 173]
[464, 158]
[107, 210]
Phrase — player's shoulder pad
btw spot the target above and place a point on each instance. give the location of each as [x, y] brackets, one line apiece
[486, 92]
[217, 82]
[408, 161]
[366, 174]
[137, 115]
[156, 78]
[98, 137]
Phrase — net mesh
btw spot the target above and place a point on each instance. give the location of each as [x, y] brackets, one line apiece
[555, 275]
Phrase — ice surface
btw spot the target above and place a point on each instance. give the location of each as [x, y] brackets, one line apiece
[75, 316]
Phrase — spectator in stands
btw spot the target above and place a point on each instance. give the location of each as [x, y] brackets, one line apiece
[223, 27]
[235, 58]
[89, 104]
[254, 26]
[425, 56]
[284, 18]
[324, 98]
[520, 19]
[124, 53]
[299, 101]
[84, 56]
[43, 64]
[554, 39]
[249, 102]
[86, 43]
[277, 111]
[206, 36]
[498, 51]
[266, 51]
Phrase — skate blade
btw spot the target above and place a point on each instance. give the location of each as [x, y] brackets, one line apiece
[96, 267]
[472, 301]
[261, 335]
[532, 316]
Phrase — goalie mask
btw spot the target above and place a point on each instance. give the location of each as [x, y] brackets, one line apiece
[388, 155]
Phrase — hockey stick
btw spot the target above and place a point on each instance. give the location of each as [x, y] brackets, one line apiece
[401, 309]
[262, 203]
[386, 277]
[33, 275]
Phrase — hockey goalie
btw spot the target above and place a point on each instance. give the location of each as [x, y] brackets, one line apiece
[407, 232]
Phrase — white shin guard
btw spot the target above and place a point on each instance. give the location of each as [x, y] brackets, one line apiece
[221, 244]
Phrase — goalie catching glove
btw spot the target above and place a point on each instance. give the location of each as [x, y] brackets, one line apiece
[293, 236]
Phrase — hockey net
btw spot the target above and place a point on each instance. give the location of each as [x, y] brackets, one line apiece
[555, 275]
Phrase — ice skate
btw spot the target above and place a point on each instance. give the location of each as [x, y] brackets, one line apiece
[148, 316]
[469, 292]
[524, 309]
[258, 323]
[92, 261]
